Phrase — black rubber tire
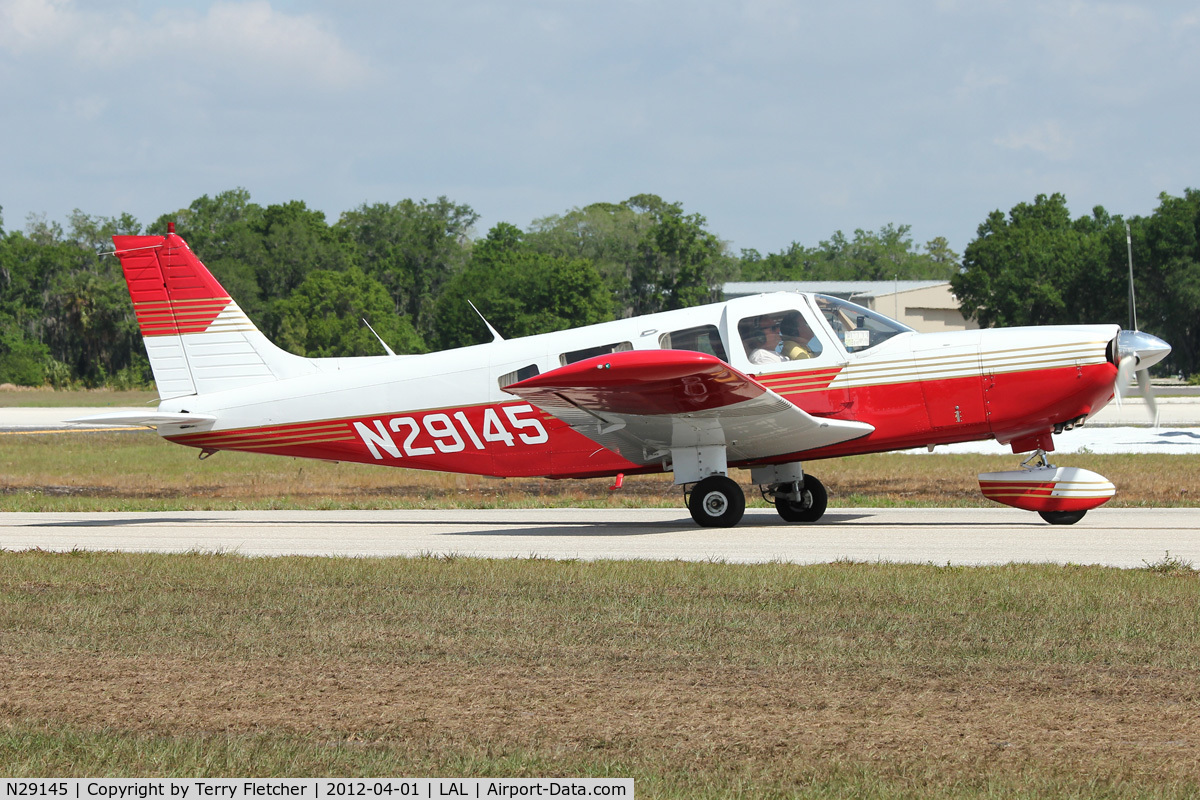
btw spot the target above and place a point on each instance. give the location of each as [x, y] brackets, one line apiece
[1062, 517]
[717, 502]
[811, 509]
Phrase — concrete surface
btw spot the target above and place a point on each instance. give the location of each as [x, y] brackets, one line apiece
[1116, 537]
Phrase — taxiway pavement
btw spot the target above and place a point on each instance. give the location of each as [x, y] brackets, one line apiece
[1119, 537]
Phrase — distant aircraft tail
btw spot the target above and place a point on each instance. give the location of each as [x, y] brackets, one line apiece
[196, 337]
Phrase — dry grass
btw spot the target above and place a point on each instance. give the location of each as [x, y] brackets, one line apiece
[695, 679]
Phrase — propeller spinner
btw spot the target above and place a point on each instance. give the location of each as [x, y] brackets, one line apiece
[1137, 352]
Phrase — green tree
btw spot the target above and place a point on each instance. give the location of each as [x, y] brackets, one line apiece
[22, 360]
[520, 291]
[886, 254]
[89, 326]
[680, 263]
[60, 293]
[211, 225]
[295, 241]
[609, 235]
[324, 317]
[1037, 266]
[1028, 268]
[650, 254]
[412, 248]
[1167, 269]
[95, 233]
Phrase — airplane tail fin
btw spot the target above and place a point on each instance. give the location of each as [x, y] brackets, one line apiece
[197, 338]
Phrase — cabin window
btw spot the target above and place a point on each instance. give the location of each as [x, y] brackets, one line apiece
[779, 336]
[858, 328]
[703, 339]
[509, 378]
[591, 352]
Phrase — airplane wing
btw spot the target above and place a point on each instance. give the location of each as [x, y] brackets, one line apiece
[642, 403]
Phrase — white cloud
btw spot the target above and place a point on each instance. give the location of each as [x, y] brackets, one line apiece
[252, 40]
[28, 24]
[86, 108]
[256, 36]
[1047, 138]
[978, 82]
[778, 120]
[1093, 39]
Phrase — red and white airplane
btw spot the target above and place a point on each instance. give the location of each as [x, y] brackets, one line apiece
[766, 383]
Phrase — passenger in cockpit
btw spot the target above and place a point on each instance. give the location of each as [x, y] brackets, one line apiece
[797, 338]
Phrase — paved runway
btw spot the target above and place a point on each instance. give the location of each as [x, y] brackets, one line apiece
[1116, 537]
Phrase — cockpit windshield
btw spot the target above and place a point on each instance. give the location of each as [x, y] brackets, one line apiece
[859, 328]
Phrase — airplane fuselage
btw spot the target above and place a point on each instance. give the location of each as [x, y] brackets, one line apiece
[449, 411]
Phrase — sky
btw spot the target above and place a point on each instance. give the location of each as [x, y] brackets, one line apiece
[777, 121]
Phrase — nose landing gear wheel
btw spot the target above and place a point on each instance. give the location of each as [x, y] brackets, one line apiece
[717, 502]
[1062, 517]
[811, 507]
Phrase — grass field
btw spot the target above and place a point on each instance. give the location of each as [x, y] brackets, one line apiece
[697, 680]
[23, 397]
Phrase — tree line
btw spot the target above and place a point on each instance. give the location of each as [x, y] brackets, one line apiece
[1038, 266]
[412, 269]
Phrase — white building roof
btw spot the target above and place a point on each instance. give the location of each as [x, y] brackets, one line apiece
[837, 288]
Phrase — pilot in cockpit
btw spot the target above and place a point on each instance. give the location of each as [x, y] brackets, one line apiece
[763, 340]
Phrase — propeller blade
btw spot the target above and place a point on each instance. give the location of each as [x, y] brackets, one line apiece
[1143, 378]
[1125, 369]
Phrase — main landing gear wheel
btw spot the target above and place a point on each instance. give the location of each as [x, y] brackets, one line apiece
[717, 502]
[1062, 517]
[813, 500]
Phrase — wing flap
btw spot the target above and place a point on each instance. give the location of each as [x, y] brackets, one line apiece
[642, 404]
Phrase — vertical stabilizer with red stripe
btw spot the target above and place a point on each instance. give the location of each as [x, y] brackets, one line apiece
[196, 337]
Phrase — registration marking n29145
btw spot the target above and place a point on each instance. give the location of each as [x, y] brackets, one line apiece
[438, 432]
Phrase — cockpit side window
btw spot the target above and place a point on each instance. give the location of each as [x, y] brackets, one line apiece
[701, 339]
[859, 328]
[779, 336]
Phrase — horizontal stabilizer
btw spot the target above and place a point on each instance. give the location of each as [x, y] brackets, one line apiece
[147, 419]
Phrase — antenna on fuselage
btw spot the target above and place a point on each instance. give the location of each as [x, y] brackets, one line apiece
[496, 337]
[380, 338]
